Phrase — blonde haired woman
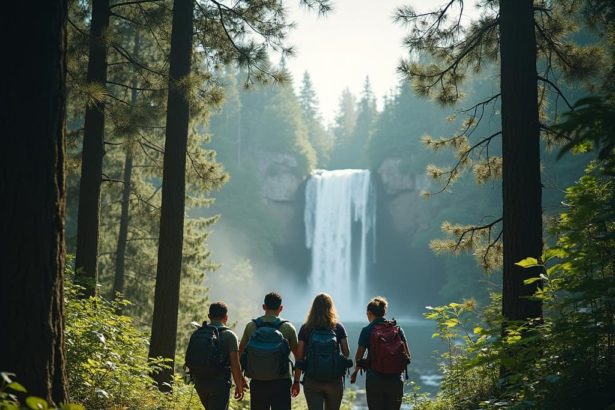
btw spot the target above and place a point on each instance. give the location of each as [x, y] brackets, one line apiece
[321, 339]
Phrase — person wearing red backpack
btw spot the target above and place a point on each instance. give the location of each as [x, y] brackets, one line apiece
[387, 360]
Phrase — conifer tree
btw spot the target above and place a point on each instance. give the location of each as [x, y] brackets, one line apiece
[86, 255]
[32, 188]
[504, 31]
[170, 245]
[343, 129]
[318, 136]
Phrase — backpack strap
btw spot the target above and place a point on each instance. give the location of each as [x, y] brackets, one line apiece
[259, 322]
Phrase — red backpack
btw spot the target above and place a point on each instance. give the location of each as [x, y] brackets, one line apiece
[387, 350]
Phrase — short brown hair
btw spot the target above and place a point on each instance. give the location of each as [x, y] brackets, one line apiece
[378, 306]
[218, 310]
[273, 300]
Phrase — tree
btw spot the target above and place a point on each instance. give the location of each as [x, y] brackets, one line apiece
[343, 130]
[33, 196]
[170, 245]
[317, 135]
[521, 183]
[86, 256]
[504, 31]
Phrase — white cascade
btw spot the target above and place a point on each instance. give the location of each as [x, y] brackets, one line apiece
[340, 207]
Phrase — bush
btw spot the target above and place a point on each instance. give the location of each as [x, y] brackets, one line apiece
[107, 359]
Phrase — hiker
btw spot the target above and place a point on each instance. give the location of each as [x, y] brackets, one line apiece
[388, 358]
[212, 357]
[320, 340]
[264, 350]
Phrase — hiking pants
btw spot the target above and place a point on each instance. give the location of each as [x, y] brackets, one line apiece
[272, 394]
[323, 395]
[384, 394]
[214, 393]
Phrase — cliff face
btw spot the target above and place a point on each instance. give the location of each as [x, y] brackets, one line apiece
[402, 189]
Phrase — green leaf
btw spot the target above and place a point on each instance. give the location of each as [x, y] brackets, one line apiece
[531, 280]
[477, 330]
[451, 322]
[36, 403]
[17, 387]
[528, 263]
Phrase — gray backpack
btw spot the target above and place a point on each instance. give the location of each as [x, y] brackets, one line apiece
[266, 356]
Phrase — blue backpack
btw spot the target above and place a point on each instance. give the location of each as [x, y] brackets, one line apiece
[323, 361]
[266, 356]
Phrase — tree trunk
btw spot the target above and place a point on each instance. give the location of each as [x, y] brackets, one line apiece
[521, 185]
[86, 255]
[122, 240]
[166, 297]
[32, 189]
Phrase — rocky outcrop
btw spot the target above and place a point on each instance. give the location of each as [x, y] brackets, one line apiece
[402, 189]
[279, 175]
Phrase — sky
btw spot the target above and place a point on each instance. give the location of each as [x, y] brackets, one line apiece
[357, 39]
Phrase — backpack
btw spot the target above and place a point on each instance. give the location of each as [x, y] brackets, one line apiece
[266, 354]
[387, 353]
[324, 362]
[203, 355]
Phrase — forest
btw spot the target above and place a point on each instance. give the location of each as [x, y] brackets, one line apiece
[158, 156]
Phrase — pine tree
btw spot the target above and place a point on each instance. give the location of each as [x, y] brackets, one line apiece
[33, 192]
[317, 135]
[455, 49]
[343, 130]
[170, 245]
[86, 258]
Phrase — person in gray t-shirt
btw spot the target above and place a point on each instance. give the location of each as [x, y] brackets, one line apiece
[214, 393]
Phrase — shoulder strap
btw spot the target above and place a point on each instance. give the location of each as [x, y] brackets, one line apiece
[279, 322]
[258, 322]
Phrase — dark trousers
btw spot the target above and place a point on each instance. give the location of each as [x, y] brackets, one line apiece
[384, 393]
[323, 395]
[214, 393]
[273, 394]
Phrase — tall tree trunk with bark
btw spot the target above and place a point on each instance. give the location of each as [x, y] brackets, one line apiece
[86, 255]
[521, 184]
[122, 240]
[166, 297]
[32, 192]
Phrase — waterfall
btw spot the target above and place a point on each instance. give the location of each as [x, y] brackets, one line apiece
[340, 209]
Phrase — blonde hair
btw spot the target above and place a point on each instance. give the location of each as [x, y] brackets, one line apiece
[322, 314]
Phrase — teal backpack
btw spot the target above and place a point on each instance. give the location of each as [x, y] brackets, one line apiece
[266, 356]
[323, 361]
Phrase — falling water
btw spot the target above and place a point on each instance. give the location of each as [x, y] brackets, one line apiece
[340, 208]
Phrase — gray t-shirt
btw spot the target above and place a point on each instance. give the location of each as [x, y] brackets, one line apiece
[228, 341]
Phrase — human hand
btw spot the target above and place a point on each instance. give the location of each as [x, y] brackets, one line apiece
[244, 381]
[353, 376]
[295, 389]
[239, 392]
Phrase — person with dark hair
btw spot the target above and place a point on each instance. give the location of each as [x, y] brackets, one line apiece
[321, 340]
[212, 358]
[388, 358]
[264, 350]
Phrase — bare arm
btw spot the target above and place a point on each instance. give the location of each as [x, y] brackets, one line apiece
[299, 356]
[359, 355]
[345, 348]
[237, 376]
